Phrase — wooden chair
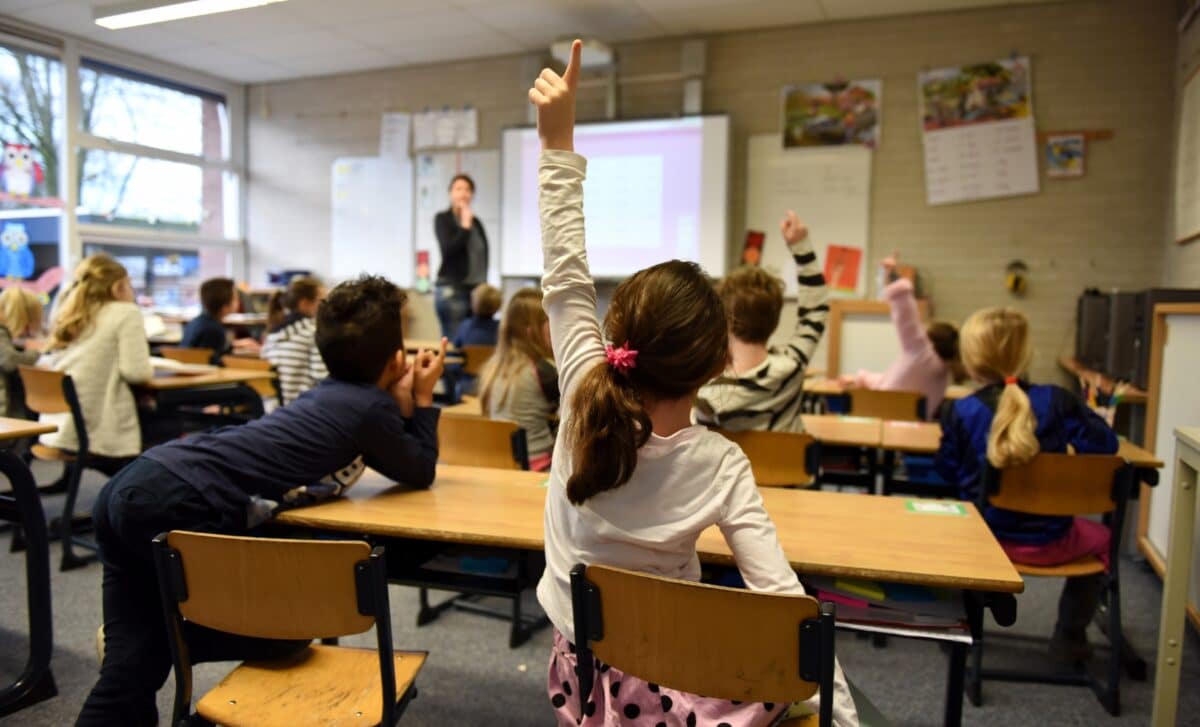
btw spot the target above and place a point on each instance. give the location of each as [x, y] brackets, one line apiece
[474, 357]
[53, 392]
[187, 355]
[724, 643]
[779, 459]
[286, 589]
[1068, 485]
[905, 406]
[266, 388]
[479, 442]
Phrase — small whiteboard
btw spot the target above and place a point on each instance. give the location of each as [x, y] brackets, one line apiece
[1187, 162]
[371, 222]
[433, 174]
[1176, 403]
[830, 190]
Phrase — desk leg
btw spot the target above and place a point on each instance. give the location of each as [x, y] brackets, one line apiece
[1175, 589]
[889, 471]
[35, 683]
[954, 684]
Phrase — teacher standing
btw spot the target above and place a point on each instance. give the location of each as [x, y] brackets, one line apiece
[464, 248]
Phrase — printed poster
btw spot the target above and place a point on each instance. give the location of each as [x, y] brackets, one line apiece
[832, 114]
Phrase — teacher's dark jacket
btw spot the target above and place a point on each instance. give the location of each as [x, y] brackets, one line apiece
[453, 239]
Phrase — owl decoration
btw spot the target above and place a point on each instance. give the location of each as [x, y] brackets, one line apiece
[16, 259]
[22, 173]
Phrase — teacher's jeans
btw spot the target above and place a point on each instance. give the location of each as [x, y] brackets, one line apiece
[453, 306]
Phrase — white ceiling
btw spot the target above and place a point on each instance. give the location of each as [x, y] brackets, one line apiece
[302, 38]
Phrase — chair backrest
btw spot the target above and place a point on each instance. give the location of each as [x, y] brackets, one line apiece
[474, 357]
[266, 388]
[269, 588]
[724, 643]
[779, 459]
[44, 390]
[479, 442]
[905, 406]
[1060, 484]
[274, 589]
[187, 355]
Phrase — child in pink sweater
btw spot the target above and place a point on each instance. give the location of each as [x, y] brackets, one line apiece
[928, 357]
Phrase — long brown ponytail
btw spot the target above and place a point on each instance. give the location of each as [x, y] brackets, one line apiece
[995, 348]
[671, 316]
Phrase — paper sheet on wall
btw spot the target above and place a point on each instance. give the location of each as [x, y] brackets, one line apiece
[433, 173]
[468, 128]
[829, 188]
[423, 136]
[1187, 162]
[979, 135]
[393, 136]
[370, 232]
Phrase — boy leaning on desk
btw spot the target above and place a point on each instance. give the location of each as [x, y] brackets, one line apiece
[375, 410]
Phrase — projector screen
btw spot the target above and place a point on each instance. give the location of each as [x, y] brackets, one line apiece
[655, 190]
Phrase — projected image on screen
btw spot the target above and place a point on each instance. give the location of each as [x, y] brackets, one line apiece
[655, 190]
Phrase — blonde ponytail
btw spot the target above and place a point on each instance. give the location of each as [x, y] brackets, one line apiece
[92, 289]
[994, 343]
[1013, 437]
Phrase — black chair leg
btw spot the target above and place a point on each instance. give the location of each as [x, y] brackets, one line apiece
[66, 523]
[975, 674]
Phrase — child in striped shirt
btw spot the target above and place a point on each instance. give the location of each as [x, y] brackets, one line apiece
[763, 387]
[291, 347]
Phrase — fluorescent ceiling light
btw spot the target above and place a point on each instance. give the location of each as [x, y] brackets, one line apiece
[118, 17]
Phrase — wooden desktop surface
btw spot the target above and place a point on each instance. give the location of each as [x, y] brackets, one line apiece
[470, 406]
[18, 428]
[843, 430]
[832, 387]
[217, 377]
[822, 533]
[924, 437]
[1131, 395]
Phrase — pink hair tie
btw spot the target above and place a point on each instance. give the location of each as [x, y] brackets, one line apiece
[622, 359]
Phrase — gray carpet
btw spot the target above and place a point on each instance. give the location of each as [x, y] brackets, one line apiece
[472, 677]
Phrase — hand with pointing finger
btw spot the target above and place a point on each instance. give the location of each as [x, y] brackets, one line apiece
[554, 97]
[792, 228]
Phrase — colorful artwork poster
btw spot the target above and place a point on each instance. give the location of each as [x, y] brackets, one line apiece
[975, 94]
[842, 264]
[832, 114]
[1065, 155]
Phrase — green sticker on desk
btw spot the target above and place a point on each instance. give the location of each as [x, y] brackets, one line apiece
[933, 507]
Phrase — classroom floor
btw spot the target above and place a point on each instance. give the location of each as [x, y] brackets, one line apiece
[472, 677]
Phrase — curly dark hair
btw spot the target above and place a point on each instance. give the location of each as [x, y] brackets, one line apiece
[358, 328]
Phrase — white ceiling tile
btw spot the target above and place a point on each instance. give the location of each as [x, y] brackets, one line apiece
[14, 6]
[712, 16]
[243, 25]
[300, 45]
[536, 23]
[323, 13]
[445, 27]
[147, 39]
[72, 16]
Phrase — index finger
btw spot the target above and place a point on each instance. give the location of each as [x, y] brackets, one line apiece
[442, 353]
[571, 75]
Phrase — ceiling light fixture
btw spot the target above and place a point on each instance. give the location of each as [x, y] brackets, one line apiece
[118, 17]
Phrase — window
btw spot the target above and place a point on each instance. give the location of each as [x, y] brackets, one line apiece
[168, 278]
[31, 133]
[154, 154]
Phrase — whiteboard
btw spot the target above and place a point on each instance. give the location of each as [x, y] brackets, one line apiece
[1178, 406]
[432, 189]
[828, 187]
[1187, 162]
[868, 343]
[370, 232]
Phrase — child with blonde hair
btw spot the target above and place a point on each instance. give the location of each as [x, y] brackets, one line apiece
[634, 482]
[20, 317]
[519, 382]
[1008, 421]
[99, 339]
[480, 329]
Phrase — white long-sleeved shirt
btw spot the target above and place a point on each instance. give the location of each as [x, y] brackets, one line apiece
[683, 483]
[292, 350]
[103, 362]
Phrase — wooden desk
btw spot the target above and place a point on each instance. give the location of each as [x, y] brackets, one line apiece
[1177, 574]
[822, 533]
[24, 506]
[470, 406]
[832, 387]
[168, 381]
[843, 430]
[1071, 365]
[249, 320]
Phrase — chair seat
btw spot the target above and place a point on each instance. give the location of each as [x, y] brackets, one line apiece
[1085, 566]
[52, 454]
[808, 720]
[328, 685]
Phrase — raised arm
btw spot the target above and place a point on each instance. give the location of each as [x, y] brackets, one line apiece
[570, 294]
[811, 295]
